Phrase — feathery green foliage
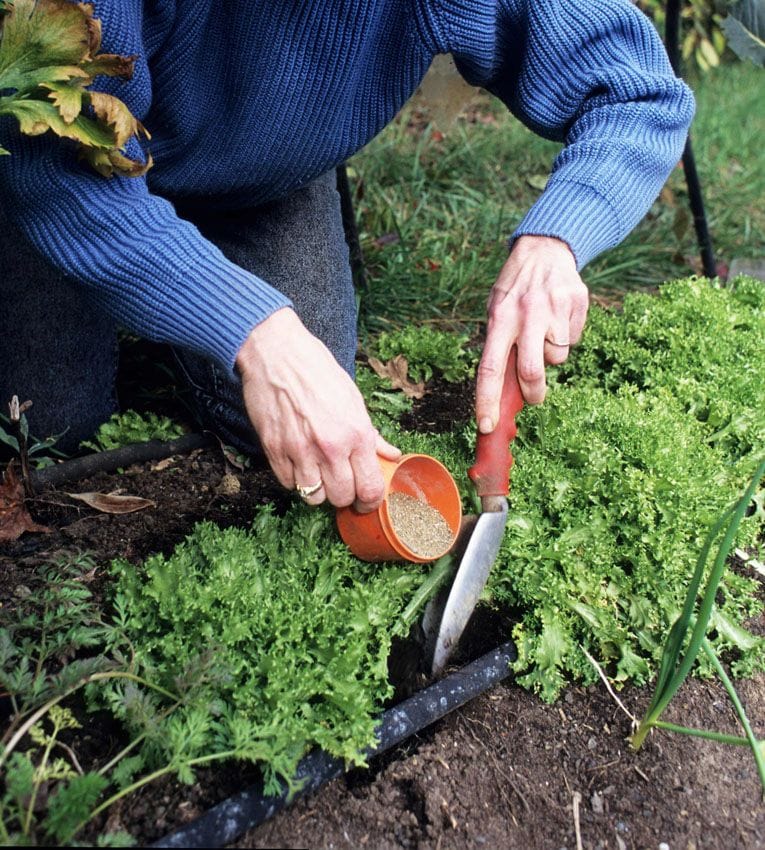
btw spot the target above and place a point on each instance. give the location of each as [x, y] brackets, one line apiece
[52, 644]
[699, 340]
[654, 424]
[293, 632]
[612, 494]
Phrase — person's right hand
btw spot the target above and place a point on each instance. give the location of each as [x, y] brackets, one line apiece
[310, 417]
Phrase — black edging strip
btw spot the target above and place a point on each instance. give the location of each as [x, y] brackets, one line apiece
[84, 467]
[225, 822]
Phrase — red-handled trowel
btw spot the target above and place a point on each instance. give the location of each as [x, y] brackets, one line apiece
[479, 539]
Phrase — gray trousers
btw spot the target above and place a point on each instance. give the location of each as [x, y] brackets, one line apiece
[60, 351]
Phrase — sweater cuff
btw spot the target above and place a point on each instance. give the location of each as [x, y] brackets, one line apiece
[575, 213]
[207, 303]
[220, 319]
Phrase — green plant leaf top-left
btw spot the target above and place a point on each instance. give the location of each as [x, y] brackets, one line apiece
[49, 54]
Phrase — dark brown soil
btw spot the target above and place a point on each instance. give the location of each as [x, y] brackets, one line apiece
[441, 406]
[505, 771]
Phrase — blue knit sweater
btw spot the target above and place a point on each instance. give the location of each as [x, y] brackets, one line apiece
[250, 99]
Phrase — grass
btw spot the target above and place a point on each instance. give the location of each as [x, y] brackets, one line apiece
[450, 205]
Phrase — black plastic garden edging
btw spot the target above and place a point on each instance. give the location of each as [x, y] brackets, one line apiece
[225, 822]
[109, 461]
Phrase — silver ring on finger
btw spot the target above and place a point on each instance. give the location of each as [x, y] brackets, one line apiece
[307, 490]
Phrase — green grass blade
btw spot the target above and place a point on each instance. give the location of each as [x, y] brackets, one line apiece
[669, 658]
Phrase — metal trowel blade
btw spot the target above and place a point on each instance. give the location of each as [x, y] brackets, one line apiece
[448, 613]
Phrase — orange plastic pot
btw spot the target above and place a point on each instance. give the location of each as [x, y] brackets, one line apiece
[372, 537]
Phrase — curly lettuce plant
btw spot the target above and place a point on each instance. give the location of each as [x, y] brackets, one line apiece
[649, 431]
[129, 427]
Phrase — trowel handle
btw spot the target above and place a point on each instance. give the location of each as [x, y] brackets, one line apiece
[491, 472]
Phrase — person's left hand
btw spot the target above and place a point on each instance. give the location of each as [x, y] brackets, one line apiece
[538, 303]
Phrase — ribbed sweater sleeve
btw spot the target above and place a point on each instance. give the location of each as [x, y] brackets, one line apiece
[153, 271]
[592, 74]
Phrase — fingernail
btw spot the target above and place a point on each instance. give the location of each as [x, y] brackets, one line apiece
[485, 426]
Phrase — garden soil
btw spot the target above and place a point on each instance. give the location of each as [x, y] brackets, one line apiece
[506, 770]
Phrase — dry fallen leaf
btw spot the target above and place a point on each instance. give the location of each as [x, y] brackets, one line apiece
[395, 371]
[113, 503]
[160, 465]
[537, 181]
[88, 577]
[14, 517]
[232, 456]
[386, 239]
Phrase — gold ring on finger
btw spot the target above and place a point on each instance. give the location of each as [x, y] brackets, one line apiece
[306, 490]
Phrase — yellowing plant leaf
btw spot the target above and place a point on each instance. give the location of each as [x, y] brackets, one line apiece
[40, 33]
[48, 55]
[39, 116]
[395, 370]
[14, 517]
[117, 116]
[113, 503]
[66, 98]
[107, 162]
[111, 65]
